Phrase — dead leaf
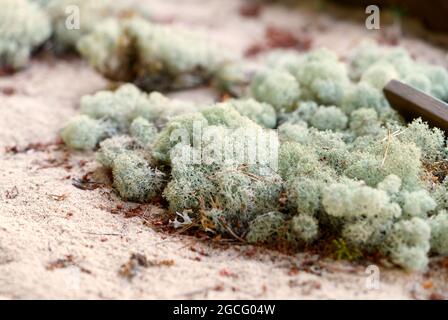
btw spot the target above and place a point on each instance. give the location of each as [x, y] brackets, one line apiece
[65, 262]
[34, 146]
[61, 263]
[130, 268]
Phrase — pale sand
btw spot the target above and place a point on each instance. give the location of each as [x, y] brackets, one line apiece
[37, 228]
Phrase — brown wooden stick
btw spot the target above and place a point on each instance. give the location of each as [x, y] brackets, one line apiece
[412, 103]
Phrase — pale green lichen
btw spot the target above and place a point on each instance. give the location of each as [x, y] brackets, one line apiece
[224, 114]
[23, 28]
[391, 184]
[240, 190]
[329, 118]
[188, 128]
[159, 109]
[331, 148]
[302, 115]
[190, 185]
[408, 243]
[143, 131]
[439, 193]
[153, 56]
[233, 77]
[347, 167]
[113, 147]
[286, 60]
[276, 87]
[373, 221]
[351, 199]
[261, 113]
[317, 75]
[178, 129]
[438, 76]
[385, 157]
[218, 219]
[431, 141]
[305, 228]
[365, 122]
[117, 106]
[377, 65]
[417, 203]
[128, 103]
[365, 214]
[85, 133]
[379, 75]
[293, 133]
[135, 180]
[67, 30]
[266, 228]
[322, 77]
[248, 191]
[305, 194]
[321, 117]
[363, 95]
[124, 111]
[362, 58]
[296, 160]
[439, 233]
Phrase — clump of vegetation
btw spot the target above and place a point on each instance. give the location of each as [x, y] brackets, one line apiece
[376, 66]
[276, 87]
[439, 236]
[134, 178]
[25, 25]
[84, 133]
[261, 113]
[154, 57]
[310, 151]
[266, 227]
[23, 28]
[90, 13]
[317, 76]
[124, 111]
[347, 169]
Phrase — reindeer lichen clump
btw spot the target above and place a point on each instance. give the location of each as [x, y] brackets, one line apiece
[24, 26]
[153, 56]
[125, 111]
[347, 168]
[307, 151]
[375, 65]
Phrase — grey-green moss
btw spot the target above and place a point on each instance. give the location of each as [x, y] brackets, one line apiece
[85, 133]
[347, 165]
[90, 14]
[124, 111]
[266, 228]
[166, 57]
[24, 26]
[276, 87]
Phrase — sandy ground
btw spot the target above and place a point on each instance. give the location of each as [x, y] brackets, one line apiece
[58, 241]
